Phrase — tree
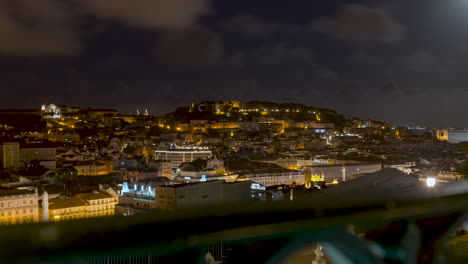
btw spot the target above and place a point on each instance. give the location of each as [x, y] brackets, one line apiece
[464, 147]
[464, 171]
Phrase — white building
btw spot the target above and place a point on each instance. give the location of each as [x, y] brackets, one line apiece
[202, 194]
[276, 177]
[452, 135]
[18, 206]
[177, 157]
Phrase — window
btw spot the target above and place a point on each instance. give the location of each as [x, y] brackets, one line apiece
[9, 204]
[31, 202]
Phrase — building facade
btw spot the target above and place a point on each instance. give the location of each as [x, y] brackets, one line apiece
[45, 156]
[18, 206]
[452, 135]
[343, 172]
[84, 205]
[9, 154]
[177, 157]
[202, 194]
[276, 177]
[91, 168]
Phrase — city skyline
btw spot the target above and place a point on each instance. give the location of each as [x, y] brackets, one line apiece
[399, 62]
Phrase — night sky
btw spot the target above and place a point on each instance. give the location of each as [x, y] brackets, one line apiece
[400, 61]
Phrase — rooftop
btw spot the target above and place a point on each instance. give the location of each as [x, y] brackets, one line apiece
[61, 203]
[6, 191]
[94, 196]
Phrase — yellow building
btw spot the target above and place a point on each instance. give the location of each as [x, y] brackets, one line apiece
[84, 205]
[66, 209]
[91, 168]
[98, 204]
[18, 206]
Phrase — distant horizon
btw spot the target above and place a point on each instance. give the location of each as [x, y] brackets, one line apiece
[159, 113]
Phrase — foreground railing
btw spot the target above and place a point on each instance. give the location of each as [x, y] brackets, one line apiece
[414, 231]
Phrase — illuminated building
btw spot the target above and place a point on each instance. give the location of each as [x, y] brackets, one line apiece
[84, 205]
[275, 177]
[331, 172]
[224, 125]
[45, 156]
[188, 176]
[266, 174]
[218, 106]
[99, 113]
[99, 204]
[164, 168]
[202, 194]
[9, 154]
[138, 195]
[452, 135]
[56, 111]
[91, 168]
[18, 206]
[177, 157]
[29, 154]
[68, 208]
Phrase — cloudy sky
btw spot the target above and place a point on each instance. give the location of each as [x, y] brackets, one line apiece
[400, 61]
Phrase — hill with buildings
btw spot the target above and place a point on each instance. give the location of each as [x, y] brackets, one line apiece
[254, 111]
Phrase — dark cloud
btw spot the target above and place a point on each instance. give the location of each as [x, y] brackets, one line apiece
[37, 28]
[272, 54]
[194, 47]
[51, 27]
[159, 14]
[252, 26]
[361, 23]
[389, 87]
[361, 56]
[420, 59]
[113, 62]
[328, 74]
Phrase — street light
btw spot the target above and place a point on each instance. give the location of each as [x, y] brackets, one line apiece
[430, 182]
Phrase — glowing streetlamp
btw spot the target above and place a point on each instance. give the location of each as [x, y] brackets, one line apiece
[430, 182]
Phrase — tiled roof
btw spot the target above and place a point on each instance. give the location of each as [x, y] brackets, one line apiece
[5, 191]
[94, 196]
[61, 203]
